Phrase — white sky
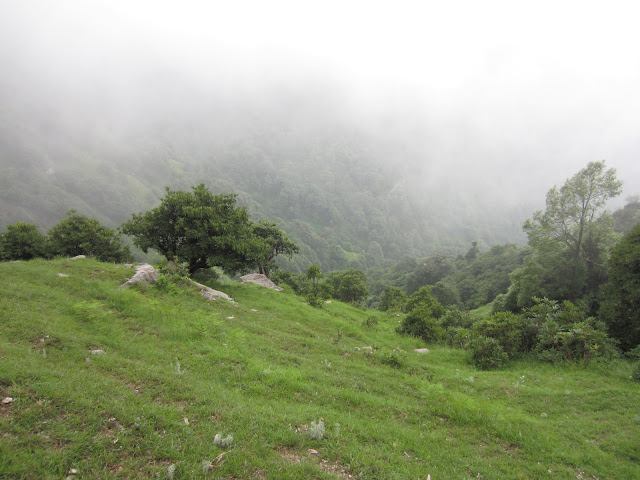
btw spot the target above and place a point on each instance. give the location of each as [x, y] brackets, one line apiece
[549, 83]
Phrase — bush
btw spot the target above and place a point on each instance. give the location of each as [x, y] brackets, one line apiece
[635, 374]
[22, 241]
[487, 353]
[79, 235]
[458, 337]
[514, 333]
[564, 332]
[421, 324]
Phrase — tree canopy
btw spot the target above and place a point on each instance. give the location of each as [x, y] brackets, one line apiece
[621, 305]
[206, 230]
[570, 239]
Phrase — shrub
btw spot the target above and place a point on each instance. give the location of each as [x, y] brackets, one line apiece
[564, 332]
[421, 324]
[22, 241]
[514, 333]
[635, 374]
[79, 235]
[487, 353]
[458, 337]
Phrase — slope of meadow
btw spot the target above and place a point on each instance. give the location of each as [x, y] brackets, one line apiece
[270, 371]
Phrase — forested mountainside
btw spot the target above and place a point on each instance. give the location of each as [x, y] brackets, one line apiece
[349, 195]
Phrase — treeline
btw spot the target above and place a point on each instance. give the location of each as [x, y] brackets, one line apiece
[571, 294]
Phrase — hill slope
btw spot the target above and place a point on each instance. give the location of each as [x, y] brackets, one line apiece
[177, 370]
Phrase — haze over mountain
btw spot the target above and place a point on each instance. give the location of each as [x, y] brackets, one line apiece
[416, 127]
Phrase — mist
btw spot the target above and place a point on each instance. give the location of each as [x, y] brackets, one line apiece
[494, 102]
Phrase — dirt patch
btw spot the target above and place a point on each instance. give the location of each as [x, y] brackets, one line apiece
[332, 468]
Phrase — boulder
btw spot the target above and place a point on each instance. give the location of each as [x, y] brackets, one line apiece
[210, 293]
[144, 273]
[260, 279]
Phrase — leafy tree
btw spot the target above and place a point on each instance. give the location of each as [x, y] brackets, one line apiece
[271, 242]
[392, 298]
[22, 241]
[80, 235]
[571, 238]
[353, 287]
[200, 228]
[621, 306]
[424, 298]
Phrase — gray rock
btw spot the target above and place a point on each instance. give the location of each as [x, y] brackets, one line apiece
[78, 257]
[421, 350]
[260, 279]
[144, 273]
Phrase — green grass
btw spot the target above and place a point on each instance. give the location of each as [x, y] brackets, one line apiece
[177, 370]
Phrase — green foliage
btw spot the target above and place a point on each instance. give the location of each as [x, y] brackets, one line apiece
[273, 242]
[429, 272]
[80, 235]
[487, 353]
[570, 239]
[422, 321]
[423, 298]
[200, 228]
[22, 241]
[446, 294]
[564, 332]
[392, 298]
[514, 333]
[621, 305]
[348, 285]
[420, 324]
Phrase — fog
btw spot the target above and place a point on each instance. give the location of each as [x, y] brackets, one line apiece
[507, 98]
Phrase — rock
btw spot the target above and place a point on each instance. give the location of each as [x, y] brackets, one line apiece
[260, 279]
[61, 275]
[312, 451]
[210, 293]
[128, 265]
[97, 352]
[78, 257]
[7, 400]
[421, 350]
[144, 273]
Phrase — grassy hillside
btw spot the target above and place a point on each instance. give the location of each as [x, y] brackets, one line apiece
[267, 370]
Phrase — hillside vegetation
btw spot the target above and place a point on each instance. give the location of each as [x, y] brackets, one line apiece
[138, 382]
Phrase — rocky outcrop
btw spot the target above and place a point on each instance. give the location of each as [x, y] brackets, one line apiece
[144, 273]
[261, 280]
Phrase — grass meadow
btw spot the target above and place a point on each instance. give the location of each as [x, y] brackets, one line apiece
[145, 382]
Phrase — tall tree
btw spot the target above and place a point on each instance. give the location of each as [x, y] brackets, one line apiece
[571, 238]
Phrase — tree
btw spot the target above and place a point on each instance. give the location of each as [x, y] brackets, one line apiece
[392, 298]
[621, 306]
[572, 237]
[80, 235]
[271, 242]
[353, 287]
[22, 241]
[200, 228]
